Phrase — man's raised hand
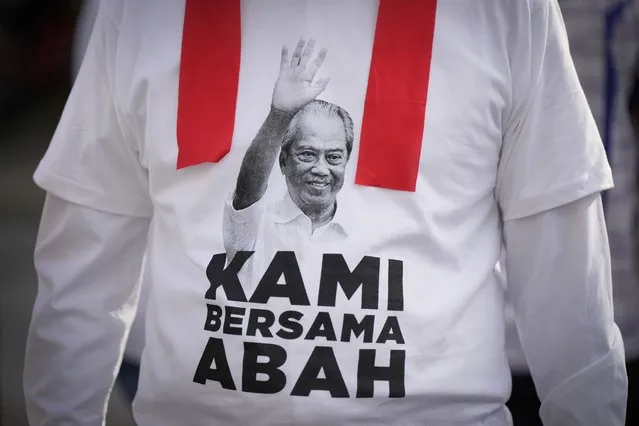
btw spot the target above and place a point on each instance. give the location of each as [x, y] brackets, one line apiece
[296, 85]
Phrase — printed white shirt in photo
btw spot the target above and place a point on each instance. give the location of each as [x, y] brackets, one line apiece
[281, 223]
[266, 228]
[401, 322]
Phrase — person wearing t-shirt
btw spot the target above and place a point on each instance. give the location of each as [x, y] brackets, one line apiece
[471, 132]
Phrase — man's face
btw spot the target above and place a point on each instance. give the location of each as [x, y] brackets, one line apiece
[314, 168]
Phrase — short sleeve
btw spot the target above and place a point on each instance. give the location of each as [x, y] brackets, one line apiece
[93, 158]
[552, 153]
[240, 227]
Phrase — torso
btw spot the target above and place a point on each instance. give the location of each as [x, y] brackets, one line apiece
[429, 294]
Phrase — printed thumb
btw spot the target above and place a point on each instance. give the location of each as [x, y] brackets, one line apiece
[321, 84]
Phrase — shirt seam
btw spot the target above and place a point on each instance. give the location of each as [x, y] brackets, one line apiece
[574, 379]
[585, 184]
[69, 189]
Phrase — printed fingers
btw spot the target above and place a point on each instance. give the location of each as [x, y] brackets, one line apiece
[315, 65]
[297, 54]
[284, 60]
[308, 52]
[320, 85]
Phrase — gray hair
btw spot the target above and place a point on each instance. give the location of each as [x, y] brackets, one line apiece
[323, 109]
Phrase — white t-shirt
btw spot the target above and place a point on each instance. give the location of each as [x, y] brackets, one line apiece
[400, 323]
[604, 40]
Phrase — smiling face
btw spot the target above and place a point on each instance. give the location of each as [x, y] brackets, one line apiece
[315, 162]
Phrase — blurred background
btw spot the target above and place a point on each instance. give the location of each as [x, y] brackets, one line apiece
[36, 43]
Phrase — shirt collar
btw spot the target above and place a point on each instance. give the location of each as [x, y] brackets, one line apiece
[287, 211]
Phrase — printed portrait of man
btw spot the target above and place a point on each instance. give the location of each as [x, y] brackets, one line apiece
[312, 141]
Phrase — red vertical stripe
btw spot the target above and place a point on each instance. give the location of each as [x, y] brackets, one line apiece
[393, 123]
[395, 106]
[209, 77]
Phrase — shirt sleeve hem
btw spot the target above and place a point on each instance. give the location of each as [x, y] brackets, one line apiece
[585, 185]
[247, 214]
[583, 396]
[70, 190]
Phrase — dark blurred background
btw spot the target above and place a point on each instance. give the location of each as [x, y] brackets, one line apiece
[36, 41]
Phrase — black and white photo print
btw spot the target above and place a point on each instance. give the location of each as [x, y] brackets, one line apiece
[311, 140]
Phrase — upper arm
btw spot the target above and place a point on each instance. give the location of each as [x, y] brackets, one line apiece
[88, 263]
[75, 242]
[93, 159]
[240, 227]
[552, 152]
